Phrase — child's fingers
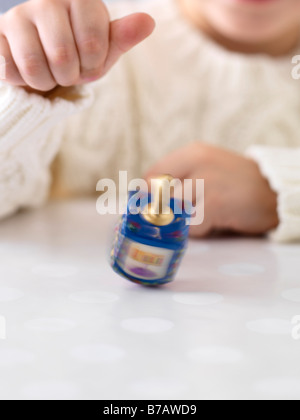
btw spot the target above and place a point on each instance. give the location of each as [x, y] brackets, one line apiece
[29, 56]
[178, 164]
[201, 231]
[57, 38]
[90, 22]
[12, 74]
[126, 33]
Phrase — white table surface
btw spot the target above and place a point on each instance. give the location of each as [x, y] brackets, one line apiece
[76, 330]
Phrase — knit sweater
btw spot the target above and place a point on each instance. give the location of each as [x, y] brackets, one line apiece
[175, 88]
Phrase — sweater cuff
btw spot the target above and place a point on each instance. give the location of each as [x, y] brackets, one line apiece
[281, 167]
[23, 113]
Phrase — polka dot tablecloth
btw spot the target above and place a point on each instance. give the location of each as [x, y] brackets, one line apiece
[70, 328]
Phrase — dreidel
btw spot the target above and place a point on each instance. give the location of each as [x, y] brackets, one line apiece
[152, 236]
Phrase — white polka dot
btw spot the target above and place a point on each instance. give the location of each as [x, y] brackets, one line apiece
[241, 269]
[55, 270]
[10, 357]
[94, 297]
[7, 294]
[98, 353]
[216, 355]
[293, 295]
[50, 390]
[50, 325]
[158, 388]
[271, 326]
[201, 299]
[147, 325]
[279, 388]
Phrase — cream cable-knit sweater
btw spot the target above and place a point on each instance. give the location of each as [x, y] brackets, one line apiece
[175, 88]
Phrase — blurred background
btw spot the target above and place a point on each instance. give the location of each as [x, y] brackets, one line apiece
[7, 4]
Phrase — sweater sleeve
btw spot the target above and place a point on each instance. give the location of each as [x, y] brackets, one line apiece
[281, 166]
[26, 150]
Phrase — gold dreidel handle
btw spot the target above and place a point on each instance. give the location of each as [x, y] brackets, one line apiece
[159, 212]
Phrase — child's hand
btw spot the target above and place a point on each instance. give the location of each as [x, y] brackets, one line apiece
[65, 42]
[237, 197]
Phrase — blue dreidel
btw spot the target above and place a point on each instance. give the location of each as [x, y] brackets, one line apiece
[151, 238]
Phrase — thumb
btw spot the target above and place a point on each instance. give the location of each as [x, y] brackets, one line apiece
[126, 33]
